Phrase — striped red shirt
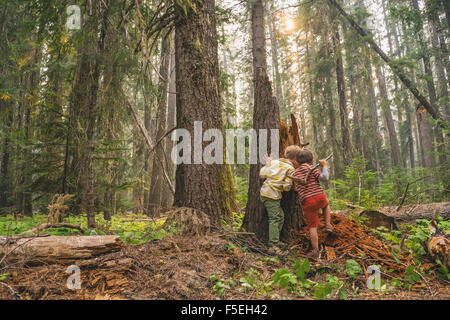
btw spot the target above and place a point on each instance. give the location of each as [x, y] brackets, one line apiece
[312, 187]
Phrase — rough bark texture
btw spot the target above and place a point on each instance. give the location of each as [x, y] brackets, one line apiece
[266, 115]
[258, 38]
[205, 187]
[293, 213]
[275, 62]
[57, 249]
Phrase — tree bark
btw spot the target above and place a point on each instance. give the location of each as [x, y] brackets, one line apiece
[345, 131]
[275, 63]
[258, 38]
[205, 187]
[266, 115]
[167, 198]
[163, 83]
[393, 141]
[373, 117]
[6, 152]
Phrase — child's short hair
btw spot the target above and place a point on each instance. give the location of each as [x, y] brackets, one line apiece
[292, 152]
[304, 156]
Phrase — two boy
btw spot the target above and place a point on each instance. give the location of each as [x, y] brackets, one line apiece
[280, 175]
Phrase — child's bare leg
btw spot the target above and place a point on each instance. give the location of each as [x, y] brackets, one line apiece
[314, 239]
[327, 213]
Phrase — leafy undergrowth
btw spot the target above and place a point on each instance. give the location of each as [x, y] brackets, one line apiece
[132, 228]
[210, 267]
[226, 266]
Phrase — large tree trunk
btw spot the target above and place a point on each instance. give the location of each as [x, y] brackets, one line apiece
[275, 63]
[258, 39]
[205, 187]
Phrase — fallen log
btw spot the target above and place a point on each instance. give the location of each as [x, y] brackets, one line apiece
[57, 249]
[390, 217]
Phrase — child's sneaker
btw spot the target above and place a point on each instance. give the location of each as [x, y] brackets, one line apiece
[329, 228]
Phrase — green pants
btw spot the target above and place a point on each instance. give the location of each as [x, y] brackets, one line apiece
[276, 219]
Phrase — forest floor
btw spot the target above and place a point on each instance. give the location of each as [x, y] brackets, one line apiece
[229, 266]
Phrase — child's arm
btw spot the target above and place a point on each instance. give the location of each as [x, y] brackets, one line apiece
[325, 175]
[264, 170]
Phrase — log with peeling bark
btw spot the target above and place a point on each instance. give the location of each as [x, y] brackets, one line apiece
[407, 213]
[57, 249]
[391, 219]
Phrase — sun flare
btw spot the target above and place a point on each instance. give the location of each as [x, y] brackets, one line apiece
[289, 24]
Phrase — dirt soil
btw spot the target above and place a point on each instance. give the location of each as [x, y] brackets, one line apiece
[180, 267]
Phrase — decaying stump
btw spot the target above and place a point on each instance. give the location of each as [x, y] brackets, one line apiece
[267, 116]
[57, 249]
[438, 248]
[57, 207]
[293, 214]
[189, 221]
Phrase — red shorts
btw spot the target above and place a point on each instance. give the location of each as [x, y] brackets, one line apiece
[311, 207]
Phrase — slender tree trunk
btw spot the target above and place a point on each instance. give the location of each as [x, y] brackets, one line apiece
[6, 152]
[84, 105]
[275, 63]
[373, 116]
[345, 131]
[156, 186]
[171, 123]
[393, 141]
[447, 11]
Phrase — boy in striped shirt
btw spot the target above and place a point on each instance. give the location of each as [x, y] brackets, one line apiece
[312, 196]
